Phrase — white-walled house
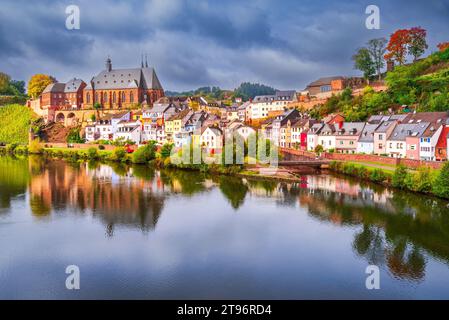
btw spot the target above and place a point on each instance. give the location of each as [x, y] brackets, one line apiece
[428, 142]
[327, 137]
[245, 131]
[90, 133]
[128, 130]
[312, 136]
[212, 138]
[118, 117]
[365, 144]
[103, 128]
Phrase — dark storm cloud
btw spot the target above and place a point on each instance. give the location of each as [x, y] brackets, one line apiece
[193, 43]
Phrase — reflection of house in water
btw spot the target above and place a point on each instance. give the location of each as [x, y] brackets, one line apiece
[113, 198]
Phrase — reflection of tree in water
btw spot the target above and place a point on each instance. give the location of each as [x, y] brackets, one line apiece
[233, 189]
[370, 243]
[116, 201]
[14, 177]
[183, 181]
[267, 185]
[394, 238]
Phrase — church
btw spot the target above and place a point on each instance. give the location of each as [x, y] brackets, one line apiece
[111, 89]
[123, 88]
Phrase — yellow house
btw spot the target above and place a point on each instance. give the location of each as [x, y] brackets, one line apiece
[175, 123]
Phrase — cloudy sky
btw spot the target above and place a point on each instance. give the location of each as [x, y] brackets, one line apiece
[282, 43]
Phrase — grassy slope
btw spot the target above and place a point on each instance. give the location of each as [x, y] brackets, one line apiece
[14, 123]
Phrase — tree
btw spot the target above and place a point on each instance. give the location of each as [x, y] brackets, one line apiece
[398, 45]
[377, 48]
[441, 184]
[363, 62]
[417, 42]
[443, 46]
[4, 82]
[38, 83]
[17, 86]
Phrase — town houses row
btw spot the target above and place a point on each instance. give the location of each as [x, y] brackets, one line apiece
[168, 121]
[418, 136]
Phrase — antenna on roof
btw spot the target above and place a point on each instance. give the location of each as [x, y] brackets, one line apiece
[146, 61]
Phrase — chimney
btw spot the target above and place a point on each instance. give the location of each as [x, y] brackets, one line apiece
[390, 65]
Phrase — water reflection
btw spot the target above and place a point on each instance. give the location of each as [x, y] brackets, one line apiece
[396, 229]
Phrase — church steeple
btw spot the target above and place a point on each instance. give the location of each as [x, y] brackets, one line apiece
[146, 61]
[141, 60]
[108, 64]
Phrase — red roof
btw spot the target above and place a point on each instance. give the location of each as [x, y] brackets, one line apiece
[442, 141]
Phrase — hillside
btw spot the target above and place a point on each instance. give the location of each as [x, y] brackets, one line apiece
[423, 85]
[15, 121]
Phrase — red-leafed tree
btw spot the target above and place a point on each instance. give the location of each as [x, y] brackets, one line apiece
[417, 42]
[443, 46]
[398, 45]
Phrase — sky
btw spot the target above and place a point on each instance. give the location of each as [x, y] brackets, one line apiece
[285, 43]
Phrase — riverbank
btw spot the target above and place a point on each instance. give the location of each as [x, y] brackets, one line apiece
[424, 180]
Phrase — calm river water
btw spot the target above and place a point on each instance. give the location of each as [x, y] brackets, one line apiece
[139, 233]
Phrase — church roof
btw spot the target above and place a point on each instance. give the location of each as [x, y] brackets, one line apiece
[54, 87]
[145, 78]
[73, 85]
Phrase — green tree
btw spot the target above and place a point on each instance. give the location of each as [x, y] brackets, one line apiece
[377, 49]
[363, 62]
[441, 184]
[417, 42]
[4, 82]
[399, 177]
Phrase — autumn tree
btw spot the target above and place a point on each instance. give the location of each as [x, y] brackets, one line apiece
[417, 42]
[398, 45]
[443, 46]
[38, 83]
[4, 82]
[377, 48]
[363, 62]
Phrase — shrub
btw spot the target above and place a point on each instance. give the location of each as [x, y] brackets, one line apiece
[92, 153]
[15, 123]
[74, 136]
[118, 154]
[166, 150]
[35, 147]
[11, 147]
[319, 148]
[423, 180]
[101, 147]
[399, 176]
[377, 175]
[144, 154]
[441, 184]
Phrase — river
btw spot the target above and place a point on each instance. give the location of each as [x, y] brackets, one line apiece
[135, 232]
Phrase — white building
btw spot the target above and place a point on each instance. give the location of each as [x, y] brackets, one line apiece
[365, 144]
[327, 138]
[428, 142]
[212, 138]
[260, 107]
[128, 130]
[312, 136]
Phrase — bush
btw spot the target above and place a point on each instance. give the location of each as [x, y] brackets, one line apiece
[11, 147]
[166, 150]
[423, 180]
[144, 154]
[399, 177]
[35, 147]
[101, 147]
[441, 184]
[377, 175]
[118, 154]
[319, 148]
[15, 123]
[74, 136]
[92, 153]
